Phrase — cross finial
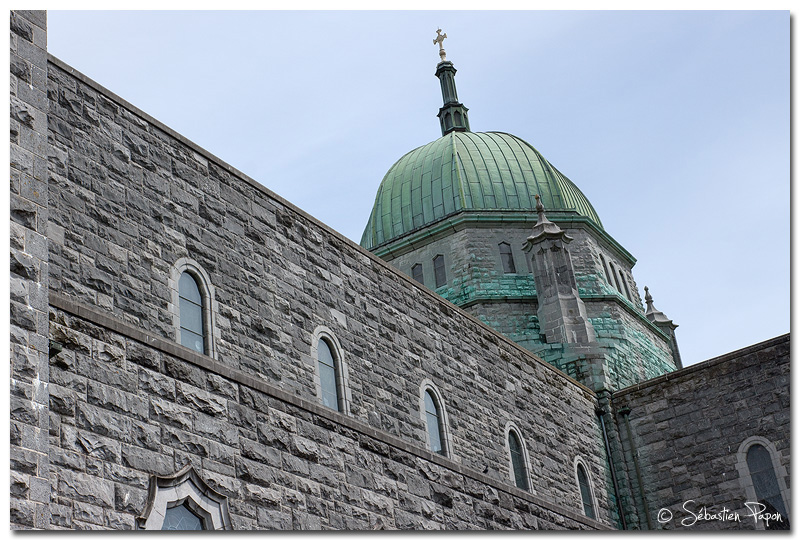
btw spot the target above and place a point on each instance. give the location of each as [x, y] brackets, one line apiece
[438, 41]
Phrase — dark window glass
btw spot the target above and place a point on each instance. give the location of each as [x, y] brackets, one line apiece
[434, 423]
[627, 290]
[616, 278]
[517, 461]
[180, 518]
[507, 259]
[438, 270]
[416, 273]
[605, 269]
[586, 492]
[191, 313]
[764, 480]
[327, 375]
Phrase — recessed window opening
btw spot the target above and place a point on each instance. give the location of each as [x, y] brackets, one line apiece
[586, 492]
[434, 423]
[507, 259]
[416, 273]
[759, 462]
[193, 333]
[518, 461]
[438, 270]
[328, 375]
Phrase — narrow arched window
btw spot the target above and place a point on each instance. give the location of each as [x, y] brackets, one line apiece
[605, 269]
[627, 290]
[507, 259]
[328, 375]
[438, 270]
[765, 483]
[433, 420]
[586, 492]
[517, 460]
[616, 278]
[193, 334]
[416, 273]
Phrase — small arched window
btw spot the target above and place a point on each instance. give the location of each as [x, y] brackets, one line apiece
[518, 458]
[327, 376]
[585, 487]
[507, 259]
[434, 423]
[416, 273]
[192, 306]
[616, 277]
[605, 269]
[191, 309]
[438, 270]
[765, 483]
[627, 290]
[331, 370]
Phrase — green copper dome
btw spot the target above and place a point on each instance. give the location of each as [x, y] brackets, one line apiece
[468, 171]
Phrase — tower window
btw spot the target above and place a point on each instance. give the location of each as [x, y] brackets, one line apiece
[416, 273]
[328, 376]
[586, 491]
[517, 455]
[438, 270]
[627, 290]
[605, 269]
[507, 259]
[191, 308]
[434, 424]
[181, 518]
[616, 278]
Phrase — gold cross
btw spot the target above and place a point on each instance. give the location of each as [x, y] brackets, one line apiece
[438, 41]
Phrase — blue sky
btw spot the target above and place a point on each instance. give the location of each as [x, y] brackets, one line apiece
[674, 124]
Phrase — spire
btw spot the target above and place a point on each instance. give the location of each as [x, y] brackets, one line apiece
[545, 227]
[652, 313]
[452, 115]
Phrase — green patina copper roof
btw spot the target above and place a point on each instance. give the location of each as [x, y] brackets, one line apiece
[468, 171]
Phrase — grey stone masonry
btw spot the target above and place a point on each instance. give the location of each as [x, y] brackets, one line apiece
[30, 474]
[131, 199]
[688, 429]
[282, 462]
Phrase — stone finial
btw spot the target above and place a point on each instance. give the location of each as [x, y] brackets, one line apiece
[648, 299]
[438, 41]
[544, 228]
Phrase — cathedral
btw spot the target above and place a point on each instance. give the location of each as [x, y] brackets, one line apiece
[189, 350]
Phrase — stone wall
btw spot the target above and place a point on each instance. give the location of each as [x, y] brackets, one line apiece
[125, 404]
[688, 426]
[129, 199]
[30, 471]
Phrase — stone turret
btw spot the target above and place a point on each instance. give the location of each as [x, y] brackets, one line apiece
[562, 313]
[665, 324]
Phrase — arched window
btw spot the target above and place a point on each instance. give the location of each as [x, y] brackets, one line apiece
[507, 259]
[416, 273]
[518, 457]
[605, 269]
[192, 306]
[435, 418]
[763, 477]
[616, 278]
[331, 370]
[625, 283]
[438, 270]
[184, 502]
[193, 333]
[585, 487]
[327, 376]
